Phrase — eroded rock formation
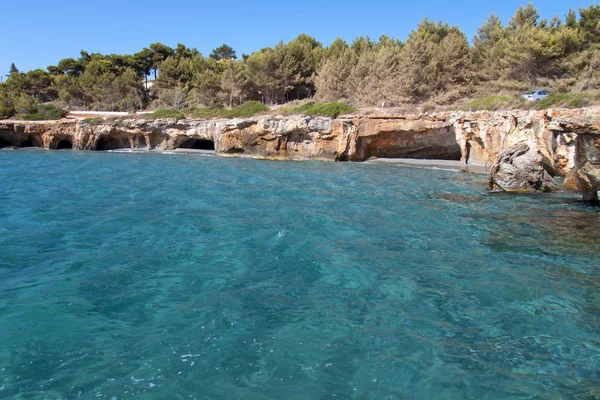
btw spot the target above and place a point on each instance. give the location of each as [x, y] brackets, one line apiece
[520, 169]
[566, 140]
[412, 136]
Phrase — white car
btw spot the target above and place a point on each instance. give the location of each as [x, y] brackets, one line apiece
[534, 95]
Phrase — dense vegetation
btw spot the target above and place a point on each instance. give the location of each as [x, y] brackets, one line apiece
[435, 66]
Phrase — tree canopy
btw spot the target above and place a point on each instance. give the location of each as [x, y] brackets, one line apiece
[435, 64]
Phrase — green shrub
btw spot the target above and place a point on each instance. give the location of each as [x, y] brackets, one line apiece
[245, 110]
[568, 100]
[552, 100]
[6, 111]
[92, 121]
[490, 103]
[43, 112]
[327, 109]
[205, 112]
[165, 113]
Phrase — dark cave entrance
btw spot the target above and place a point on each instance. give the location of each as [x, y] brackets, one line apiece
[64, 145]
[108, 143]
[4, 143]
[198, 144]
[430, 144]
[26, 143]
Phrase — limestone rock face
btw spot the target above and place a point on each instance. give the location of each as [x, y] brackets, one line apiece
[520, 169]
[566, 140]
[483, 135]
[588, 165]
[292, 138]
[24, 134]
[411, 136]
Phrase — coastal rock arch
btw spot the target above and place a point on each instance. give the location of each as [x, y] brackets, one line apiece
[139, 142]
[154, 139]
[60, 143]
[113, 142]
[64, 145]
[26, 143]
[33, 140]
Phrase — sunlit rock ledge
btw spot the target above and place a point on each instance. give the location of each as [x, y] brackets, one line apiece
[567, 140]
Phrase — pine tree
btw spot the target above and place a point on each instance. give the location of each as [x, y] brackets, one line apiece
[223, 52]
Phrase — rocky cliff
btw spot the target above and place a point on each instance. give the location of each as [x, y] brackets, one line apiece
[567, 140]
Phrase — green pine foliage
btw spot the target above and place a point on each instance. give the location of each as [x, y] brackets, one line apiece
[435, 66]
[42, 112]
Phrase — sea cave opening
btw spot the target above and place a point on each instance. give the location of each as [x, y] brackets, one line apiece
[434, 144]
[64, 145]
[4, 143]
[110, 143]
[197, 144]
[26, 143]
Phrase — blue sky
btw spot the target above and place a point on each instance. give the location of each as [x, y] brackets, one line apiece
[40, 33]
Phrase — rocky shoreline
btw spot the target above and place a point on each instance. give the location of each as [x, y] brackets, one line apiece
[560, 142]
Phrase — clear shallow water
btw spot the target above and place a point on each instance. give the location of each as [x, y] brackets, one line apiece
[175, 277]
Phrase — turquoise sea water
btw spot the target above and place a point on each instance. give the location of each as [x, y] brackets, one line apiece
[128, 276]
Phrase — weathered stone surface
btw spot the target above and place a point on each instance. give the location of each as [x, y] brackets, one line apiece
[483, 135]
[553, 134]
[520, 169]
[588, 165]
[295, 138]
[477, 138]
[412, 136]
[22, 135]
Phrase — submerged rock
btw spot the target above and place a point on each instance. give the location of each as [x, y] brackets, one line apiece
[520, 169]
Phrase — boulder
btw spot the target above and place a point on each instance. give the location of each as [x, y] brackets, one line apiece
[520, 169]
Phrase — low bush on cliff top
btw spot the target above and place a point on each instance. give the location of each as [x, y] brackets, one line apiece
[554, 100]
[567, 100]
[43, 112]
[248, 109]
[326, 109]
[165, 113]
[245, 110]
[92, 121]
[490, 103]
[205, 113]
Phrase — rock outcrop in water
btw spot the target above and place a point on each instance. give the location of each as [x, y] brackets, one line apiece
[566, 140]
[520, 169]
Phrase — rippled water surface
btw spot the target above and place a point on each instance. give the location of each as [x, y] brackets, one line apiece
[126, 276]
